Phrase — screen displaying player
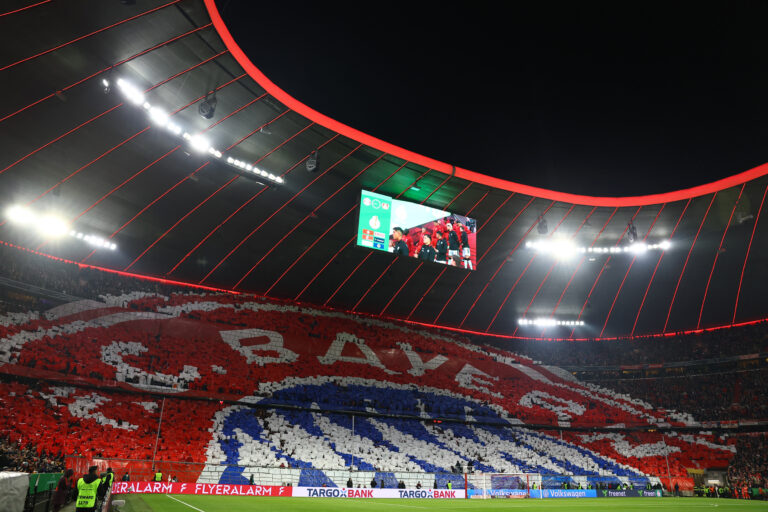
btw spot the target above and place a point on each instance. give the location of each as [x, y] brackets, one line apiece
[416, 231]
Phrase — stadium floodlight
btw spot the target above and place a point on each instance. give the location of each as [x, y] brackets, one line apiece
[52, 226]
[199, 143]
[548, 322]
[173, 128]
[21, 215]
[560, 248]
[665, 245]
[131, 92]
[158, 116]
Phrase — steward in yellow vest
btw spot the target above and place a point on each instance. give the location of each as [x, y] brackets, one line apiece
[158, 477]
[87, 488]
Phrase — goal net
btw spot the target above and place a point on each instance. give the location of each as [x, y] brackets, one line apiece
[502, 485]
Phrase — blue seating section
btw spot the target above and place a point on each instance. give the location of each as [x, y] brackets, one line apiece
[405, 402]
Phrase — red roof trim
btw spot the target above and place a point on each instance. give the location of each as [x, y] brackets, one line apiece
[321, 119]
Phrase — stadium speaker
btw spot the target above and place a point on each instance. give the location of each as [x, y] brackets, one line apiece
[207, 107]
[312, 162]
[542, 225]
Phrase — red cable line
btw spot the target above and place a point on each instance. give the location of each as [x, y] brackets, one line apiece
[631, 264]
[394, 258]
[100, 115]
[401, 287]
[102, 198]
[322, 236]
[201, 203]
[420, 264]
[525, 270]
[24, 8]
[594, 208]
[381, 274]
[679, 279]
[348, 275]
[323, 269]
[554, 264]
[254, 196]
[346, 244]
[602, 269]
[496, 210]
[273, 213]
[143, 277]
[140, 277]
[104, 70]
[136, 174]
[85, 166]
[7, 66]
[173, 188]
[719, 248]
[581, 262]
[444, 168]
[59, 138]
[370, 252]
[467, 274]
[296, 226]
[118, 230]
[498, 269]
[658, 262]
[118, 187]
[444, 269]
[207, 198]
[746, 256]
[61, 182]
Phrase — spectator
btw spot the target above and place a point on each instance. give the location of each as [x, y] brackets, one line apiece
[63, 490]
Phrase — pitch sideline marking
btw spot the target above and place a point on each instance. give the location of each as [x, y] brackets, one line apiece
[185, 503]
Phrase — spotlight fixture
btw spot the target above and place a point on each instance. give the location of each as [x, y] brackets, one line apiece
[197, 142]
[631, 232]
[415, 187]
[107, 87]
[564, 249]
[541, 227]
[312, 161]
[207, 106]
[266, 130]
[548, 322]
[51, 226]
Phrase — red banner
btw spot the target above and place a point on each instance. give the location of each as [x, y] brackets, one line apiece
[202, 489]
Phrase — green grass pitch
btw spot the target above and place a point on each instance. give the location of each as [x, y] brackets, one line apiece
[192, 503]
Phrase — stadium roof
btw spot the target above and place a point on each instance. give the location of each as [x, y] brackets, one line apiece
[95, 159]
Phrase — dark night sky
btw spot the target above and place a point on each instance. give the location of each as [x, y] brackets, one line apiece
[603, 100]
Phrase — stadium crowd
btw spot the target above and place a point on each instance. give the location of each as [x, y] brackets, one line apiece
[66, 278]
[748, 339]
[711, 397]
[14, 457]
[721, 396]
[750, 464]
